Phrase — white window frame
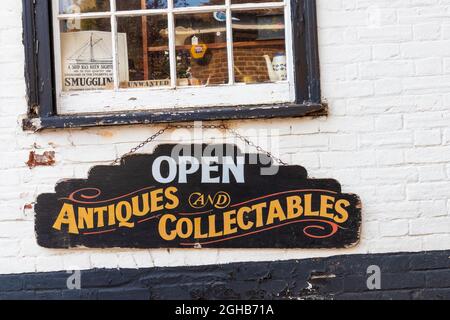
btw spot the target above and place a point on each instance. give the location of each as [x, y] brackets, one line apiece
[172, 97]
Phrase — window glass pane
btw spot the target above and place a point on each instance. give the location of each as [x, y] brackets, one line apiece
[86, 54]
[147, 50]
[82, 6]
[197, 3]
[201, 50]
[259, 46]
[124, 5]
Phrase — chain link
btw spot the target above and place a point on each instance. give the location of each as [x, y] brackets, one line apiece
[141, 145]
[193, 126]
[253, 145]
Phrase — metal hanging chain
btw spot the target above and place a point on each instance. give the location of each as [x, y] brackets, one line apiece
[141, 145]
[253, 145]
[191, 126]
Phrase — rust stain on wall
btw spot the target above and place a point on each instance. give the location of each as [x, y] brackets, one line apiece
[106, 134]
[28, 206]
[45, 159]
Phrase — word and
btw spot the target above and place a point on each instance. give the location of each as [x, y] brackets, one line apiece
[219, 200]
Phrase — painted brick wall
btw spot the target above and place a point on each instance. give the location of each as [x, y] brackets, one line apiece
[386, 76]
[403, 276]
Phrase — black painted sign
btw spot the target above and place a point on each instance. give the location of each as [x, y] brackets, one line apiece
[198, 196]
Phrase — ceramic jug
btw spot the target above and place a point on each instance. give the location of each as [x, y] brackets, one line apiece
[276, 68]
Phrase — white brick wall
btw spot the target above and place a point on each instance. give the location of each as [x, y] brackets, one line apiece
[386, 76]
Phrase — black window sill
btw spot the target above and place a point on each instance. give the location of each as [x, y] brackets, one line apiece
[175, 115]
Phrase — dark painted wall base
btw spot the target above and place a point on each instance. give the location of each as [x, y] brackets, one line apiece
[423, 275]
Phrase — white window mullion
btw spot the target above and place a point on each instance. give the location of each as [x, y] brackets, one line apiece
[289, 49]
[57, 55]
[257, 5]
[139, 13]
[115, 51]
[84, 15]
[230, 54]
[172, 44]
[202, 9]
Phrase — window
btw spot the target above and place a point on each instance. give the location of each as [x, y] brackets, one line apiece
[127, 61]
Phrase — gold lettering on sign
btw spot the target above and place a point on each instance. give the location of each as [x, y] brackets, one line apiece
[318, 211]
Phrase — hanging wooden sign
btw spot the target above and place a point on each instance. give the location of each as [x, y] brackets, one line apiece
[210, 196]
